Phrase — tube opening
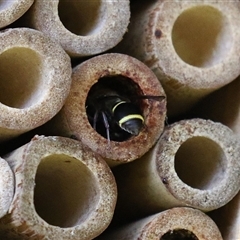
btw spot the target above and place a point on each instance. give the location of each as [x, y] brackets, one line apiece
[103, 98]
[200, 163]
[202, 36]
[66, 191]
[82, 17]
[179, 234]
[20, 77]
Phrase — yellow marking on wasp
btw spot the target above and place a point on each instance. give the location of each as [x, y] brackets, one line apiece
[114, 108]
[129, 117]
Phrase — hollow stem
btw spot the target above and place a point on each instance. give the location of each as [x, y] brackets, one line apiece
[34, 82]
[179, 223]
[96, 83]
[61, 189]
[99, 25]
[188, 48]
[192, 164]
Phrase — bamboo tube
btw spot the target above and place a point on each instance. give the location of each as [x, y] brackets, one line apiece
[10, 11]
[62, 191]
[122, 71]
[35, 75]
[228, 219]
[195, 163]
[99, 25]
[192, 46]
[176, 223]
[222, 106]
[6, 187]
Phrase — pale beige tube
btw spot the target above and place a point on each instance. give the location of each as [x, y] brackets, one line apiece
[176, 223]
[35, 79]
[62, 191]
[195, 163]
[82, 27]
[10, 11]
[6, 187]
[222, 106]
[192, 46]
[115, 69]
[228, 219]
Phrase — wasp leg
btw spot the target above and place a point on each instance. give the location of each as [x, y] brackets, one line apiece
[106, 124]
[95, 120]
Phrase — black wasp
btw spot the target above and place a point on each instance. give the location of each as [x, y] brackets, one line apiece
[113, 112]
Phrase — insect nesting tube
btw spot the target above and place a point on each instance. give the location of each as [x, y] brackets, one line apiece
[83, 28]
[188, 45]
[62, 191]
[194, 163]
[10, 11]
[179, 223]
[6, 187]
[229, 224]
[103, 76]
[35, 79]
[114, 108]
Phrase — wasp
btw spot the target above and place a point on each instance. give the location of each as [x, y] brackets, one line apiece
[115, 115]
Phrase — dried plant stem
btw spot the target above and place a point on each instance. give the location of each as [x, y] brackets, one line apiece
[62, 191]
[35, 75]
[10, 11]
[73, 119]
[99, 25]
[190, 59]
[176, 223]
[195, 163]
[6, 187]
[222, 106]
[228, 219]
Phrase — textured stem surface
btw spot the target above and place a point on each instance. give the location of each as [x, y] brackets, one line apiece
[176, 223]
[63, 191]
[35, 75]
[82, 27]
[228, 219]
[222, 106]
[10, 11]
[192, 46]
[6, 187]
[195, 163]
[73, 119]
